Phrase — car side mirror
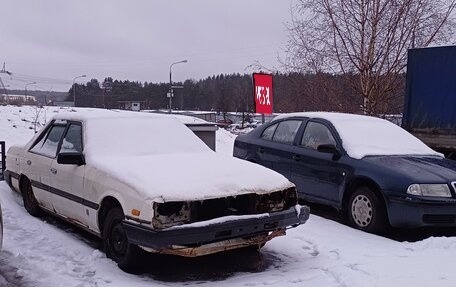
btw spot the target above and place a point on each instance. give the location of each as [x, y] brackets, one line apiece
[330, 148]
[75, 158]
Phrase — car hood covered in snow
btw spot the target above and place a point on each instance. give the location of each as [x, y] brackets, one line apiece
[165, 161]
[191, 176]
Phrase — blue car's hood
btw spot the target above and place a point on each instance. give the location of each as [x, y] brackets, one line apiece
[419, 169]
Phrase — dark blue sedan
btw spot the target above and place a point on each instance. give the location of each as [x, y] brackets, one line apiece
[368, 167]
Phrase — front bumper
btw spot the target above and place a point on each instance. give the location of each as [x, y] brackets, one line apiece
[417, 212]
[216, 232]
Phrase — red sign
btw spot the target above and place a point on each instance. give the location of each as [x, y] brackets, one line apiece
[262, 85]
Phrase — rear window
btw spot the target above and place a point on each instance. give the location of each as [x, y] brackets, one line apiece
[286, 131]
[269, 132]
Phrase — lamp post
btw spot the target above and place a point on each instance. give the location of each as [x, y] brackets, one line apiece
[74, 88]
[31, 83]
[170, 94]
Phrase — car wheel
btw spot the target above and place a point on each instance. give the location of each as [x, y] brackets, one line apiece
[366, 211]
[30, 202]
[116, 244]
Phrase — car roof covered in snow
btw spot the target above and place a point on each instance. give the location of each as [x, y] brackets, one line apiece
[113, 132]
[369, 136]
[85, 114]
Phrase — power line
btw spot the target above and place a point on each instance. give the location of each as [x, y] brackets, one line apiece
[23, 77]
[225, 54]
[28, 78]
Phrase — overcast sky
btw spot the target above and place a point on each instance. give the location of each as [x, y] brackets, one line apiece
[53, 41]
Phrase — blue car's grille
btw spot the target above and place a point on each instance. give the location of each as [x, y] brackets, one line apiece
[439, 218]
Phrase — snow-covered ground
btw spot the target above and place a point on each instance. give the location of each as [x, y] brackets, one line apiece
[48, 252]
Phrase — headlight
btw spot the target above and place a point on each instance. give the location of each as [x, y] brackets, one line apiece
[441, 190]
[171, 213]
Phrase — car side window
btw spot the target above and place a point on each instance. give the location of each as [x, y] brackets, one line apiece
[286, 131]
[48, 145]
[316, 134]
[72, 142]
[269, 132]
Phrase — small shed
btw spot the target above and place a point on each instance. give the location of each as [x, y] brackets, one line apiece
[131, 105]
[206, 132]
[135, 106]
[207, 116]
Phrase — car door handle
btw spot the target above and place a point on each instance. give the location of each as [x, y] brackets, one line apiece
[296, 158]
[29, 162]
[261, 150]
[54, 171]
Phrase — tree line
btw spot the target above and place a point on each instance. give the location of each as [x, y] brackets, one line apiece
[292, 92]
[366, 41]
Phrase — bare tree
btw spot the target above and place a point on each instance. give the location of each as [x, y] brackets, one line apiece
[366, 40]
[36, 118]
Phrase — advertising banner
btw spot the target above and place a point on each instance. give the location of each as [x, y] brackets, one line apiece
[262, 86]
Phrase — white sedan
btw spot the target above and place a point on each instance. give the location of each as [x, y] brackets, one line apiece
[142, 182]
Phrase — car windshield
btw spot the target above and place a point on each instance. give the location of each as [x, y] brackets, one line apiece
[140, 136]
[363, 136]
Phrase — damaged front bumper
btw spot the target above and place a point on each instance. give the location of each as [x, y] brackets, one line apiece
[216, 237]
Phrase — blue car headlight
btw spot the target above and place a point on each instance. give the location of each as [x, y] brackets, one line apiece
[435, 189]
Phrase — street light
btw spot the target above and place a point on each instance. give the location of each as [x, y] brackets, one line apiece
[74, 88]
[170, 95]
[31, 83]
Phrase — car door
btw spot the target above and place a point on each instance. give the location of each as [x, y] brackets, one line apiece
[68, 180]
[317, 175]
[38, 160]
[275, 148]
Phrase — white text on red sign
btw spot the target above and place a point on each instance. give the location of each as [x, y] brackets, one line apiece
[262, 95]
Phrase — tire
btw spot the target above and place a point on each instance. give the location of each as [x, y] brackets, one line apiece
[30, 202]
[115, 242]
[366, 212]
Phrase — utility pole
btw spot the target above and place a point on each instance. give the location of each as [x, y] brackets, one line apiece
[3, 70]
[2, 86]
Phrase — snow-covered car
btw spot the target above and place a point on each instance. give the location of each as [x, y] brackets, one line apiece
[225, 121]
[368, 167]
[143, 182]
